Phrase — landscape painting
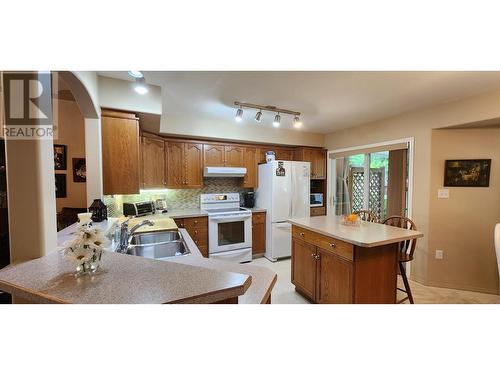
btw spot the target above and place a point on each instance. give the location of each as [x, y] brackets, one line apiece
[467, 173]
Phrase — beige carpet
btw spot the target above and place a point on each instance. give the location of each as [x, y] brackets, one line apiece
[284, 291]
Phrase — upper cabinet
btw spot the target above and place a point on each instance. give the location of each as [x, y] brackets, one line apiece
[251, 163]
[284, 154]
[153, 163]
[184, 165]
[120, 153]
[317, 158]
[223, 156]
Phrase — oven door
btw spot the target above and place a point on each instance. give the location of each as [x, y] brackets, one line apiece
[229, 232]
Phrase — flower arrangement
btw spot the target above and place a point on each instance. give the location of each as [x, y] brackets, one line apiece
[86, 247]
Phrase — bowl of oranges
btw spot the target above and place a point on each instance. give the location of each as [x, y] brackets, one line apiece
[351, 219]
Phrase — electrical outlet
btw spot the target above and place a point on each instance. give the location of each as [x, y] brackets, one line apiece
[443, 193]
[439, 254]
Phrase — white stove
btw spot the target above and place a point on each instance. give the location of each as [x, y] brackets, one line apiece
[229, 227]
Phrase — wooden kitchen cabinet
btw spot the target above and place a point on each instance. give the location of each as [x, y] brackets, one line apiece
[304, 268]
[317, 158]
[283, 154]
[213, 155]
[120, 153]
[153, 163]
[251, 163]
[184, 165]
[258, 233]
[334, 278]
[223, 155]
[318, 211]
[197, 228]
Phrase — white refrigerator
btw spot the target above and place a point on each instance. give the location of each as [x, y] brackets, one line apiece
[283, 190]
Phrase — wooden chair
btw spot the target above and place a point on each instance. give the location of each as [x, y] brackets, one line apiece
[367, 215]
[406, 250]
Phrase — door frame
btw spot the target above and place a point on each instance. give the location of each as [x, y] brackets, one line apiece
[332, 174]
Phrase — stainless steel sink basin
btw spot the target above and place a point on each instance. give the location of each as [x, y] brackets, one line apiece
[157, 245]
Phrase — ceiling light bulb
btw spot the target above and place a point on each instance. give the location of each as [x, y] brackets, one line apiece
[140, 86]
[258, 116]
[239, 115]
[296, 122]
[277, 119]
[135, 73]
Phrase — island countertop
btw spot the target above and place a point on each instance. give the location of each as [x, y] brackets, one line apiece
[365, 234]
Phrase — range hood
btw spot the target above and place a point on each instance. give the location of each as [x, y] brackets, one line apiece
[224, 172]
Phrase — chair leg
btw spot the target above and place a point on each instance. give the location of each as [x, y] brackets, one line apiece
[405, 281]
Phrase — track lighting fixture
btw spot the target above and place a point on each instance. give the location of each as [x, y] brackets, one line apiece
[277, 120]
[297, 123]
[239, 115]
[258, 116]
[140, 86]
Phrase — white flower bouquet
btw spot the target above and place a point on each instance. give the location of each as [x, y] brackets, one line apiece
[85, 248]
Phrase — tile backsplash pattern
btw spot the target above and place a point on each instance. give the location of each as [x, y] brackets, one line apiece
[176, 198]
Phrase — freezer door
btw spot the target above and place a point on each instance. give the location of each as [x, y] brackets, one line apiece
[300, 189]
[281, 175]
[281, 237]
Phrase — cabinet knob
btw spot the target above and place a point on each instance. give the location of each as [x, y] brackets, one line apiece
[196, 221]
[302, 234]
[195, 232]
[317, 257]
[313, 255]
[332, 245]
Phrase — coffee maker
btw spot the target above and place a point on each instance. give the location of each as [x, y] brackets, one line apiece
[249, 199]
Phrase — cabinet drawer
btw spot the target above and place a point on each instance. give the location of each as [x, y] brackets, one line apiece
[318, 211]
[258, 218]
[338, 247]
[179, 223]
[196, 222]
[197, 232]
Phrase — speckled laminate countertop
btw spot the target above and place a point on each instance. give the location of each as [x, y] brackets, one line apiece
[121, 279]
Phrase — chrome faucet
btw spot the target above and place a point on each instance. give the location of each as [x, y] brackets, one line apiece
[125, 233]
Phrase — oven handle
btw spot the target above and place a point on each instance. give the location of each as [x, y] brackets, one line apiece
[232, 217]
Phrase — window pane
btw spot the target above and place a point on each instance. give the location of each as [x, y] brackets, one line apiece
[379, 172]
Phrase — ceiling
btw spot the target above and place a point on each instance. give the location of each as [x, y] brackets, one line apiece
[328, 101]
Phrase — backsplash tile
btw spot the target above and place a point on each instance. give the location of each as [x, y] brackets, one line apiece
[176, 198]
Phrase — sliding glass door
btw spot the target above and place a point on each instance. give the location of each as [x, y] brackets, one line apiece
[375, 181]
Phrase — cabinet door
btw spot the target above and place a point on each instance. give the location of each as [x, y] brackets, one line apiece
[175, 164]
[234, 156]
[284, 154]
[304, 267]
[153, 163]
[251, 164]
[318, 211]
[213, 156]
[258, 233]
[319, 164]
[334, 282]
[193, 173]
[120, 153]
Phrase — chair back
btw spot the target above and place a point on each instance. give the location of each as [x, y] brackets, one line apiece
[407, 247]
[367, 215]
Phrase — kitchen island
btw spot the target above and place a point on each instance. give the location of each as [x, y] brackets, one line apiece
[337, 263]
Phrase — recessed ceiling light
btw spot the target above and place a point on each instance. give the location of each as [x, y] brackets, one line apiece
[296, 122]
[258, 116]
[135, 73]
[277, 120]
[239, 115]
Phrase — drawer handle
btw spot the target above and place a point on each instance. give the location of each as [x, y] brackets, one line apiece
[332, 245]
[313, 255]
[196, 221]
[195, 232]
[302, 234]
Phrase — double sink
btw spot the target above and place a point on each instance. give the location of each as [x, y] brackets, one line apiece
[157, 245]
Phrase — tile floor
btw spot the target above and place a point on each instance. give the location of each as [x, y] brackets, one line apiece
[284, 291]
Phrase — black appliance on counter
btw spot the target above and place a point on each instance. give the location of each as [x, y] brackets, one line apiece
[249, 199]
[138, 208]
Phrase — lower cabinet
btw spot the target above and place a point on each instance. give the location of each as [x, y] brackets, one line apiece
[197, 228]
[318, 211]
[321, 275]
[258, 233]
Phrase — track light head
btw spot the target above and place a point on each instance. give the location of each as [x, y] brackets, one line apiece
[258, 116]
[296, 122]
[140, 86]
[239, 115]
[277, 120]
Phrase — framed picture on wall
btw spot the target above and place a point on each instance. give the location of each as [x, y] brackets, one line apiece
[60, 157]
[79, 170]
[467, 173]
[60, 185]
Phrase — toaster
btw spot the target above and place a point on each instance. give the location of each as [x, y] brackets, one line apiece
[138, 208]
